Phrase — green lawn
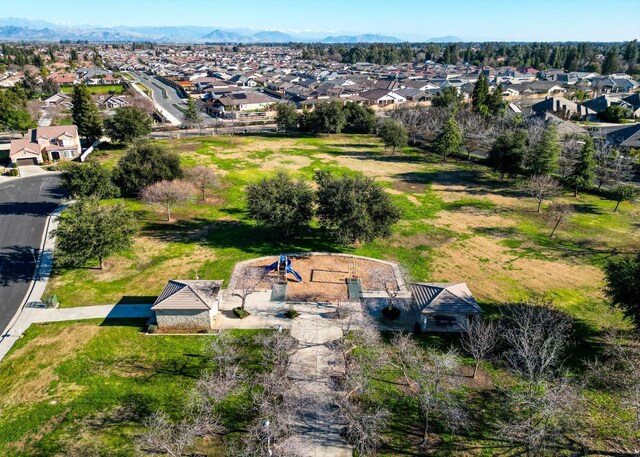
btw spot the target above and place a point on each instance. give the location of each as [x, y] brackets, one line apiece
[106, 89]
[95, 381]
[460, 223]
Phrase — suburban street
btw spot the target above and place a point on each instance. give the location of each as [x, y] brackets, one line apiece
[158, 96]
[25, 205]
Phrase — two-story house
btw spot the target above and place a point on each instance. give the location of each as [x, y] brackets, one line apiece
[54, 143]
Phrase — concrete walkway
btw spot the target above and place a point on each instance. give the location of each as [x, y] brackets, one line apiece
[311, 369]
[312, 365]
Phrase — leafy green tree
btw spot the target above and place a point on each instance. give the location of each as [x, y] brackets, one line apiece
[145, 164]
[354, 208]
[480, 95]
[329, 117]
[449, 139]
[623, 283]
[90, 231]
[85, 114]
[614, 113]
[393, 134]
[286, 116]
[508, 151]
[281, 204]
[447, 98]
[544, 157]
[584, 169]
[13, 115]
[89, 179]
[359, 119]
[624, 193]
[631, 52]
[128, 124]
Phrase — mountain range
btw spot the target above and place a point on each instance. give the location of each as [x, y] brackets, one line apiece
[20, 29]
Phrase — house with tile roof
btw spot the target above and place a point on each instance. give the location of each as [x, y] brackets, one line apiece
[59, 142]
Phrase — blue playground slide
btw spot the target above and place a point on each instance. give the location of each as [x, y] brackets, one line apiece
[283, 263]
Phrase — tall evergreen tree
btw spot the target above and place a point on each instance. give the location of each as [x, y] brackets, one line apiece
[611, 62]
[583, 171]
[449, 139]
[544, 157]
[480, 95]
[495, 102]
[85, 114]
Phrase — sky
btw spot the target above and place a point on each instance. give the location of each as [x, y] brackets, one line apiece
[500, 20]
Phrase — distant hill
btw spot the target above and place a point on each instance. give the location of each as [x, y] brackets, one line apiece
[20, 29]
[367, 38]
[272, 37]
[445, 39]
[220, 36]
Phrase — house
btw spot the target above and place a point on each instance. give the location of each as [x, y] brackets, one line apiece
[382, 97]
[46, 143]
[444, 307]
[563, 108]
[60, 99]
[242, 101]
[627, 136]
[188, 304]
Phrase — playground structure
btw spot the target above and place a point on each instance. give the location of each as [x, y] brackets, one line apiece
[283, 267]
[325, 277]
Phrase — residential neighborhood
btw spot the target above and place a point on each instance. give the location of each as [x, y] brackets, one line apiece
[278, 230]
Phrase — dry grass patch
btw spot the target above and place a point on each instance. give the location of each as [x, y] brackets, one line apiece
[371, 166]
[37, 374]
[493, 273]
[468, 220]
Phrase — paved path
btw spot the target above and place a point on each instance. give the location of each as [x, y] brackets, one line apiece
[311, 369]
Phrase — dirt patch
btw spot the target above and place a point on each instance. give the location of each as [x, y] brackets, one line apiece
[413, 187]
[468, 220]
[495, 274]
[37, 373]
[372, 166]
[324, 276]
[292, 162]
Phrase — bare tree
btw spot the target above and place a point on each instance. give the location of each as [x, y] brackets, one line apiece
[557, 214]
[542, 408]
[248, 279]
[537, 335]
[435, 395]
[384, 279]
[477, 130]
[163, 436]
[480, 338]
[569, 154]
[202, 177]
[407, 356]
[168, 194]
[363, 424]
[541, 188]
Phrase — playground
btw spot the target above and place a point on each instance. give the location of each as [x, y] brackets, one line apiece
[324, 276]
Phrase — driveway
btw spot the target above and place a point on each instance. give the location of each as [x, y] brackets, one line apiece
[25, 205]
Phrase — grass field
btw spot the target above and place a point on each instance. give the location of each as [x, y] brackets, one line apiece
[74, 387]
[460, 223]
[107, 89]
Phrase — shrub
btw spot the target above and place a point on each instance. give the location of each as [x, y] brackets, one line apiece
[241, 313]
[292, 314]
[14, 172]
[152, 328]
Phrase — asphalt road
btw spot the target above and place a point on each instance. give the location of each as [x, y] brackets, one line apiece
[25, 205]
[172, 95]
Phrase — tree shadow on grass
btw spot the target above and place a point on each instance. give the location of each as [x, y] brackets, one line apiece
[242, 236]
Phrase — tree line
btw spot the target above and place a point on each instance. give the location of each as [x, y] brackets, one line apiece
[568, 56]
